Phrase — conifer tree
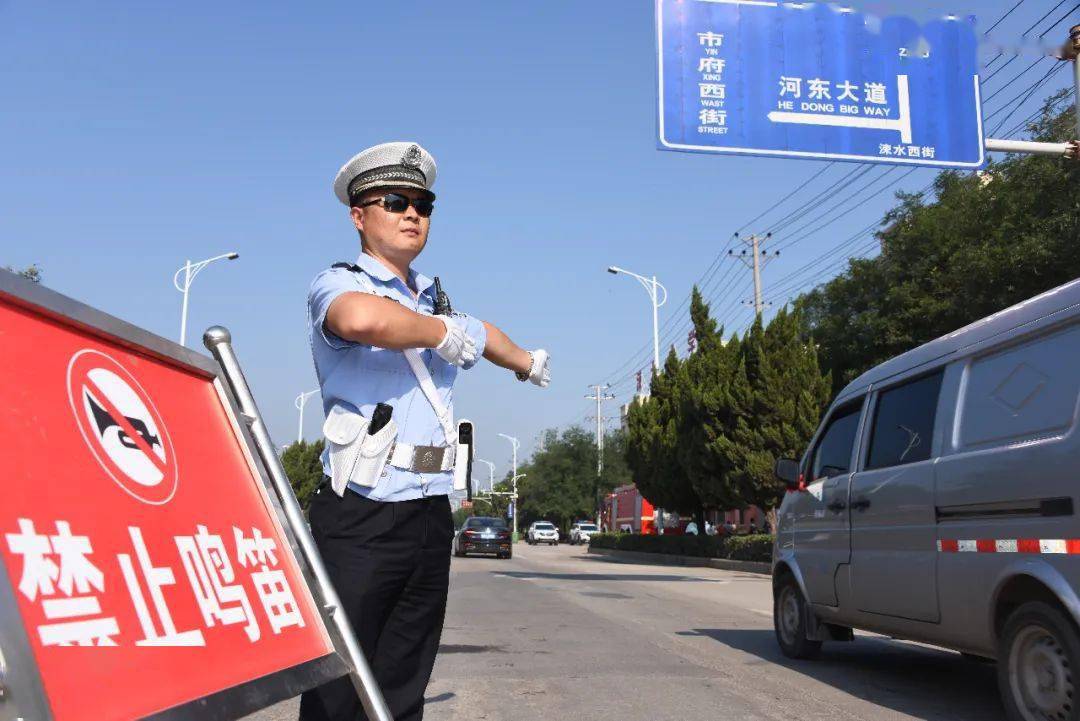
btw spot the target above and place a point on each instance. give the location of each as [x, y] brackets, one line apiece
[653, 441]
[787, 395]
[706, 410]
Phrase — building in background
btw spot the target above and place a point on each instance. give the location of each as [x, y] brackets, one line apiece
[625, 510]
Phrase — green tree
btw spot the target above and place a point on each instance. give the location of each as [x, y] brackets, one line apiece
[462, 513]
[654, 425]
[783, 393]
[304, 469]
[983, 242]
[31, 273]
[561, 484]
[706, 413]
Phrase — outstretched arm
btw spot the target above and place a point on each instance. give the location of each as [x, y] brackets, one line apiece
[375, 321]
[380, 322]
[504, 352]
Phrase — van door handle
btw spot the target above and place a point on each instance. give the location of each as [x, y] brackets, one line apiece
[860, 504]
[836, 506]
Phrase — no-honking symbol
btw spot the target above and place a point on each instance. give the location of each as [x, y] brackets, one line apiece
[123, 429]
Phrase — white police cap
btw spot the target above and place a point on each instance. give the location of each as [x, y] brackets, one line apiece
[389, 164]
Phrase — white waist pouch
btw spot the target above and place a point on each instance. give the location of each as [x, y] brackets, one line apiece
[356, 456]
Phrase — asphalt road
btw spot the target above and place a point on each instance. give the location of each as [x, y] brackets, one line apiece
[556, 634]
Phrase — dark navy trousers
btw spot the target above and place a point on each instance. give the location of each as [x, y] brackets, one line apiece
[390, 564]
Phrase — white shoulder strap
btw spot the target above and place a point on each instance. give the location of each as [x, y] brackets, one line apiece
[427, 385]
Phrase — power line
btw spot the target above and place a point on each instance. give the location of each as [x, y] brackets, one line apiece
[1026, 98]
[843, 202]
[1031, 118]
[780, 202]
[1059, 20]
[843, 182]
[1009, 62]
[1036, 23]
[1008, 85]
[1007, 14]
[1030, 90]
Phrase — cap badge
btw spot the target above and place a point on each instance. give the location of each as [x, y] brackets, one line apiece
[412, 157]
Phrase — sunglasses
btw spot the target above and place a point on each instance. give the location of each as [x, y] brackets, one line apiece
[397, 203]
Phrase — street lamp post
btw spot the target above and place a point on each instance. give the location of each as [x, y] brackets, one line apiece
[299, 403]
[651, 286]
[491, 473]
[189, 271]
[513, 491]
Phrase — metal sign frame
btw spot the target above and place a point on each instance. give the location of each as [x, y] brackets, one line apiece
[22, 693]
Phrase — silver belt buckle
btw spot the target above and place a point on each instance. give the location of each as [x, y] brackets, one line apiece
[428, 459]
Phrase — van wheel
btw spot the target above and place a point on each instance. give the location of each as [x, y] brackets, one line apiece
[1039, 650]
[789, 620]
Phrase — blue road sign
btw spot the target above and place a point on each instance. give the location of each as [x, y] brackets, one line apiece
[818, 81]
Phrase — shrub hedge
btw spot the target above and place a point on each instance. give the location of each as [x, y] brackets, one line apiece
[736, 548]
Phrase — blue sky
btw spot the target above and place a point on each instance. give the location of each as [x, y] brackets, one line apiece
[138, 135]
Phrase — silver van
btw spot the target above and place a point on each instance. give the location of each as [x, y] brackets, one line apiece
[937, 503]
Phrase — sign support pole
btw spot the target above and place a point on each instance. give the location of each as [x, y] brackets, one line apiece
[218, 341]
[1074, 53]
[1070, 150]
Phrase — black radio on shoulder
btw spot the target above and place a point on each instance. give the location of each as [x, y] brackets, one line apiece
[442, 300]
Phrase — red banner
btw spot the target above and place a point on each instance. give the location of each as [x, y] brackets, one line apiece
[148, 562]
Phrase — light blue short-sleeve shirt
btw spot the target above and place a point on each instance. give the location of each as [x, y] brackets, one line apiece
[359, 376]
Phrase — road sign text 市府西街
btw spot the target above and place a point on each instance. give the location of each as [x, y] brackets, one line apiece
[817, 81]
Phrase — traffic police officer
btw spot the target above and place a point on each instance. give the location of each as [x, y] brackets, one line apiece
[382, 521]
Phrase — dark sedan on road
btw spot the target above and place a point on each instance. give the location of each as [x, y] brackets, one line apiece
[483, 534]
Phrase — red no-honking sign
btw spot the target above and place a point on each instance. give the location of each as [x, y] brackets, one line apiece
[145, 558]
[121, 426]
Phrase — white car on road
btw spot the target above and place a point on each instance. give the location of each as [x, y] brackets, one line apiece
[542, 532]
[581, 531]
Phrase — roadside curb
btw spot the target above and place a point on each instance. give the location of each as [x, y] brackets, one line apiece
[663, 559]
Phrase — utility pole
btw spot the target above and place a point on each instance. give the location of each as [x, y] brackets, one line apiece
[755, 259]
[599, 397]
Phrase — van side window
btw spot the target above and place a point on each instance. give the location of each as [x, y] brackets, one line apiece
[833, 453]
[903, 429]
[1022, 392]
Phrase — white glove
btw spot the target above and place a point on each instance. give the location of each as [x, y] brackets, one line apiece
[456, 347]
[539, 373]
